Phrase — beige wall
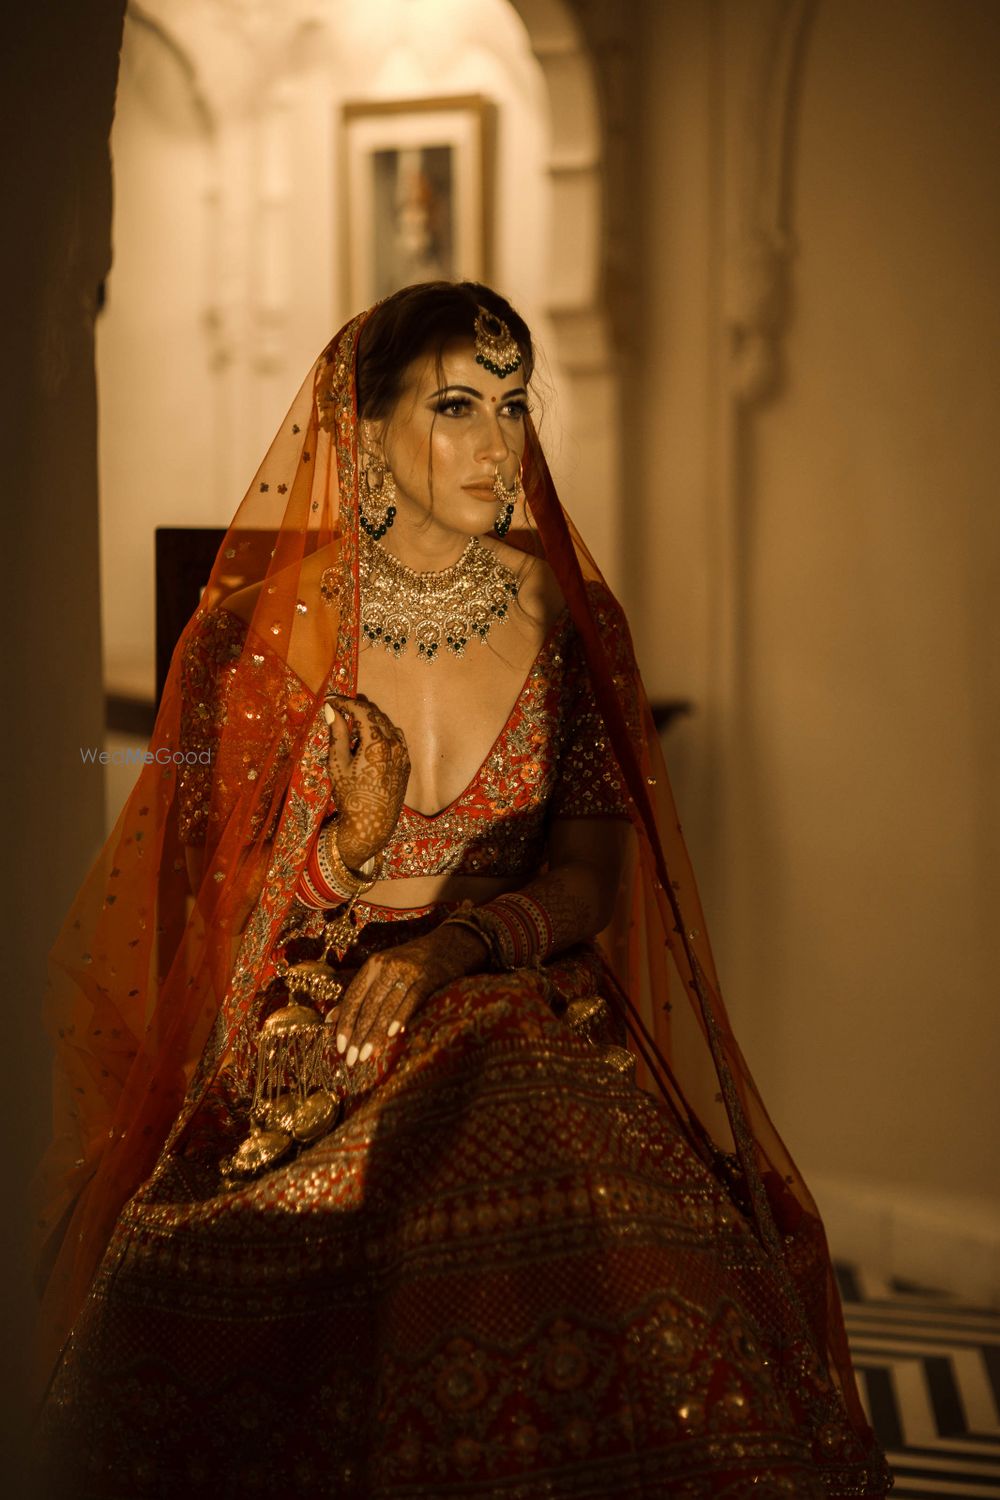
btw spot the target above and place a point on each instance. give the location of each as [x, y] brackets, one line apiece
[839, 537]
[670, 397]
[872, 645]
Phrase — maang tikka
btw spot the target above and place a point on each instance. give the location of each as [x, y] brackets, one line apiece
[377, 498]
[497, 350]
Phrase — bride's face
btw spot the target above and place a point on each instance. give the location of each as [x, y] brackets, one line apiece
[453, 424]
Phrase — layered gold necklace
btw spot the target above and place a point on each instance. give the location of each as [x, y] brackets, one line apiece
[445, 609]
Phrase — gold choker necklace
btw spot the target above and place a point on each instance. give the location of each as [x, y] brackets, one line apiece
[449, 608]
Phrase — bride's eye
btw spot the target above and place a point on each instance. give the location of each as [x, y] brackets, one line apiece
[452, 406]
[518, 409]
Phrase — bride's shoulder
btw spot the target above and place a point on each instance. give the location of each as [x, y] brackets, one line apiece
[537, 589]
[306, 578]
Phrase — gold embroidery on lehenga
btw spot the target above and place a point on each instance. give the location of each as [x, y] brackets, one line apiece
[695, 1363]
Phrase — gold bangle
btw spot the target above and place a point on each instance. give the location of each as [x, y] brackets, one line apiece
[467, 916]
[336, 874]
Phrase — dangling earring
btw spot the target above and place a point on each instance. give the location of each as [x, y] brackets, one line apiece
[506, 499]
[377, 501]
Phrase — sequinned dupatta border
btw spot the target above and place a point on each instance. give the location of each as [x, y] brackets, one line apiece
[142, 978]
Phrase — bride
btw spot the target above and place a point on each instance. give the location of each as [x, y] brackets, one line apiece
[385, 1163]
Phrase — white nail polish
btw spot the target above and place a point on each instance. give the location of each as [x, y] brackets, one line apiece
[394, 1026]
[352, 1055]
[365, 1052]
[329, 713]
[341, 1043]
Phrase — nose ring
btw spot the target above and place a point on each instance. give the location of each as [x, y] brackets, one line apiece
[505, 499]
[505, 495]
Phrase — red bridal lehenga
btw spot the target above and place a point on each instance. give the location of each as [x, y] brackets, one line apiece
[509, 1270]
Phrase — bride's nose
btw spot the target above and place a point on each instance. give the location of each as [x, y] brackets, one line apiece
[493, 445]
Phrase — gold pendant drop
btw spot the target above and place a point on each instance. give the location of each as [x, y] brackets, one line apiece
[446, 609]
[300, 1083]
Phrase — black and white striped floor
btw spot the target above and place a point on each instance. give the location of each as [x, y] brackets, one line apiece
[929, 1371]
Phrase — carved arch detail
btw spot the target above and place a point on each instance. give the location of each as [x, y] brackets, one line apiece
[759, 260]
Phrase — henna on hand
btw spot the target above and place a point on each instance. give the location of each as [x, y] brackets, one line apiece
[368, 778]
[577, 892]
[389, 988]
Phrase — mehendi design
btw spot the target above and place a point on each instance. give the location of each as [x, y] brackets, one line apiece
[369, 785]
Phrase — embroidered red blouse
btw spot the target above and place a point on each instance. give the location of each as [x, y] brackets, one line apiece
[551, 758]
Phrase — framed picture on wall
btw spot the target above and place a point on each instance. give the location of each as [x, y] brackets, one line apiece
[417, 193]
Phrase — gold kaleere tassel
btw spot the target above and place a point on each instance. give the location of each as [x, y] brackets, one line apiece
[300, 1079]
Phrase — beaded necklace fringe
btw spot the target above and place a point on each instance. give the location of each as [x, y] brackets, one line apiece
[445, 609]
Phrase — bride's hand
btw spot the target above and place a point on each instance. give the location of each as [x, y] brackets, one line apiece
[389, 987]
[369, 781]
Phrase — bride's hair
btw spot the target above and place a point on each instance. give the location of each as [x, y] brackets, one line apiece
[424, 320]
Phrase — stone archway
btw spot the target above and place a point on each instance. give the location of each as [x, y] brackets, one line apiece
[225, 97]
[576, 302]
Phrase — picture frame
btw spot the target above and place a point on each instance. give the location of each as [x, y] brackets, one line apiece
[416, 201]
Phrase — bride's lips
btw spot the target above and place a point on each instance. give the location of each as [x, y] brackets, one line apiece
[483, 491]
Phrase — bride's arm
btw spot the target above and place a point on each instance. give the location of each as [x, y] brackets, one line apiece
[572, 900]
[577, 891]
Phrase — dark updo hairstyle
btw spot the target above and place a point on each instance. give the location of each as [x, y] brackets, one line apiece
[425, 319]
